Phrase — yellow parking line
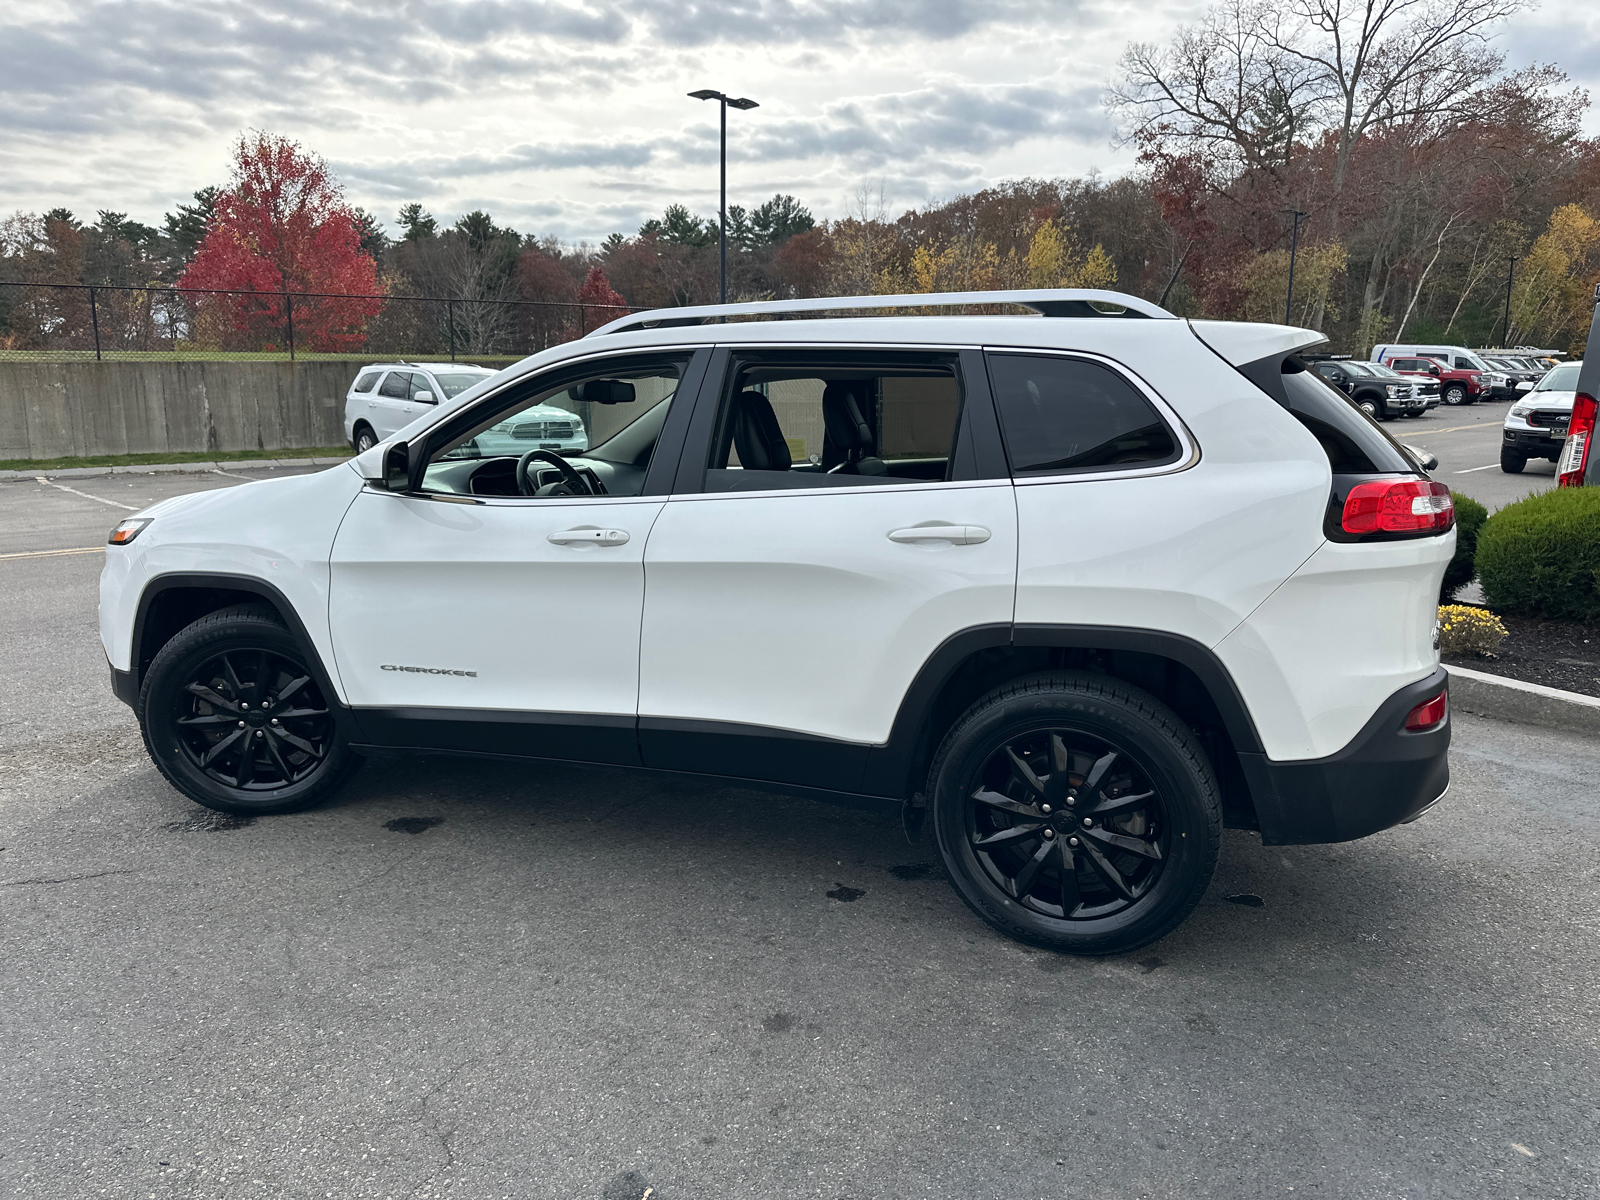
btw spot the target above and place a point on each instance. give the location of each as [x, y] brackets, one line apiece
[1459, 428]
[55, 553]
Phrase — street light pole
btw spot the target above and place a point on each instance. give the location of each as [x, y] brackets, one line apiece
[722, 209]
[1294, 246]
[1511, 272]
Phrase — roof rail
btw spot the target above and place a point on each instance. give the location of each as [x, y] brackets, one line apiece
[1047, 302]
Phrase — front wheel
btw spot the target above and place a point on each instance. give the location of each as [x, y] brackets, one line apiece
[1370, 407]
[1454, 394]
[1076, 812]
[235, 720]
[1512, 463]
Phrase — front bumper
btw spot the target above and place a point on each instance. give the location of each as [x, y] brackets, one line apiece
[1535, 443]
[1384, 777]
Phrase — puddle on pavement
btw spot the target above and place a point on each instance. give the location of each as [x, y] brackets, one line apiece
[412, 825]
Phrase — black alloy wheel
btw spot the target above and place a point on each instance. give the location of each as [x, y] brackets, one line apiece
[1077, 812]
[236, 720]
[1067, 824]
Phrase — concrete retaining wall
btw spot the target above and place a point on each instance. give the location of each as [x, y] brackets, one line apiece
[53, 410]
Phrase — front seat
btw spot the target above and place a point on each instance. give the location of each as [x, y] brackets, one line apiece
[849, 445]
[757, 437]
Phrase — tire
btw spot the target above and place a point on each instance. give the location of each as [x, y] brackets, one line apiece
[1371, 407]
[1454, 394]
[1141, 762]
[207, 686]
[364, 439]
[1512, 463]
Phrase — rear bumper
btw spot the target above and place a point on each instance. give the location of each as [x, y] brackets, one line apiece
[1384, 777]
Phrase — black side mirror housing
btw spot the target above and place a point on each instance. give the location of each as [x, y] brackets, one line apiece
[397, 467]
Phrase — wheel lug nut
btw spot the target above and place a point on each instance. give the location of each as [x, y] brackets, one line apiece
[241, 724]
[259, 733]
[1045, 808]
[1087, 823]
[1049, 833]
[274, 720]
[246, 704]
[1072, 841]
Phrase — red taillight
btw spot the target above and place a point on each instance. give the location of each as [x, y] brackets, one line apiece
[1428, 714]
[1398, 506]
[1575, 452]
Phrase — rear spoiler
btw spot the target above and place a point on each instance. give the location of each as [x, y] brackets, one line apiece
[1258, 352]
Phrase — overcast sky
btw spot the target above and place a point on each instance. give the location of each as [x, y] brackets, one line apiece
[570, 118]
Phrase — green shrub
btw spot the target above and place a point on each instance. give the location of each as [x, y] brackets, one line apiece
[1470, 516]
[1540, 557]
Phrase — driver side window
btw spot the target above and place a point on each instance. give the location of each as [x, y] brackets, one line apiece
[575, 432]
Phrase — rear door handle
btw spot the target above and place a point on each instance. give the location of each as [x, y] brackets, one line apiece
[961, 535]
[589, 537]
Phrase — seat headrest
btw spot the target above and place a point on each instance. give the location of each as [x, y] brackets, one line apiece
[844, 415]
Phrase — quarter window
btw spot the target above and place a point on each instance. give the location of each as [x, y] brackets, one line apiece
[364, 384]
[1065, 415]
[396, 385]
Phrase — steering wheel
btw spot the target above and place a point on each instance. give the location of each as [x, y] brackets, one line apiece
[571, 477]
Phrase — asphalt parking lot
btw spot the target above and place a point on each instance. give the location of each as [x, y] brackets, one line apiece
[523, 980]
[1466, 441]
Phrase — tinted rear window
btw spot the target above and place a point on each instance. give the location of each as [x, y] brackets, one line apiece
[1070, 415]
[1355, 443]
[364, 384]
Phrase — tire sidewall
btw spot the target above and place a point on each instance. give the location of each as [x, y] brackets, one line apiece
[163, 691]
[1454, 395]
[363, 432]
[1191, 839]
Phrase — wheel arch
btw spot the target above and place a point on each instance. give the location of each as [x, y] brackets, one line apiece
[1179, 671]
[170, 603]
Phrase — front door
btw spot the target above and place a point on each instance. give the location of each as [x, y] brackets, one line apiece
[480, 613]
[839, 535]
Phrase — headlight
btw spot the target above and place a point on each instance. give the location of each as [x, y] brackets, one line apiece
[1519, 412]
[1391, 389]
[127, 530]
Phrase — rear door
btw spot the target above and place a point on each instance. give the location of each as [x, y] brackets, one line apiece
[391, 404]
[814, 556]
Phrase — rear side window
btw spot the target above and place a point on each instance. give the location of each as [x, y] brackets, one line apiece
[1068, 415]
[364, 384]
[397, 385]
[1354, 442]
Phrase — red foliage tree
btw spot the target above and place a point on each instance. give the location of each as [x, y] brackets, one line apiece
[597, 289]
[283, 227]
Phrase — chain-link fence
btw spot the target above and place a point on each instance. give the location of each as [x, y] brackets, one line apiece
[69, 321]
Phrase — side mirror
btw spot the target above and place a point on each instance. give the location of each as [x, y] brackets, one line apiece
[397, 467]
[1434, 371]
[424, 397]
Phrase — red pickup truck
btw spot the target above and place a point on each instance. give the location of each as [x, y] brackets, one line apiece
[1455, 386]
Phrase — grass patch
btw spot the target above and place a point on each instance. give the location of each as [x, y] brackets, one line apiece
[168, 456]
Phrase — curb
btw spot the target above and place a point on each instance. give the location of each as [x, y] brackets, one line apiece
[194, 468]
[1525, 703]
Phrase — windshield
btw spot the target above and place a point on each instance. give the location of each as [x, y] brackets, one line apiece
[455, 383]
[1356, 368]
[1476, 363]
[1383, 372]
[1560, 379]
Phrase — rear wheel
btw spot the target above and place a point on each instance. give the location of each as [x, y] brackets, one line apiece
[1453, 394]
[364, 439]
[236, 721]
[1076, 812]
[1512, 463]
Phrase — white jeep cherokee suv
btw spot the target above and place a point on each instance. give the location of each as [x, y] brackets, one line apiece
[1078, 588]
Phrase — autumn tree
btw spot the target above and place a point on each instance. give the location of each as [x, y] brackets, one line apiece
[597, 290]
[282, 228]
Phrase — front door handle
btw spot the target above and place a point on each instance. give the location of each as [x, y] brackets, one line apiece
[589, 537]
[961, 535]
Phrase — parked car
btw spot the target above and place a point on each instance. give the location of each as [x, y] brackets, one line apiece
[1455, 387]
[386, 397]
[1536, 426]
[1521, 373]
[1373, 388]
[1074, 590]
[1492, 384]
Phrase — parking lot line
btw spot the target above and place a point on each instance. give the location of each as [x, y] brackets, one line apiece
[63, 487]
[1470, 470]
[52, 553]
